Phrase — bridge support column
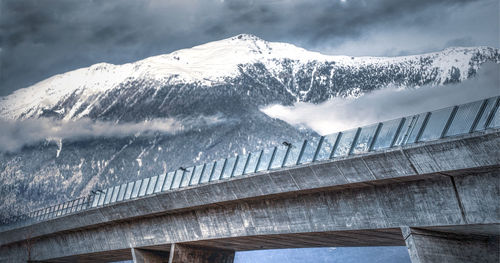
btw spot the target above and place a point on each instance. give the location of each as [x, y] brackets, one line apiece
[182, 254]
[429, 246]
[149, 256]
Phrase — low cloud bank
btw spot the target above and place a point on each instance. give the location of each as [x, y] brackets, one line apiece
[14, 134]
[340, 114]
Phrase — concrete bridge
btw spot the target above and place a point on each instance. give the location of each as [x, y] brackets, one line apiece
[439, 198]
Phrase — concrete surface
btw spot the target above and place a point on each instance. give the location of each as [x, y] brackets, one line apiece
[452, 184]
[430, 246]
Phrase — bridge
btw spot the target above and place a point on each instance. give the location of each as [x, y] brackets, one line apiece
[429, 182]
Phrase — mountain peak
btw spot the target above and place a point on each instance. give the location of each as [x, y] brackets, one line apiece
[246, 37]
[244, 56]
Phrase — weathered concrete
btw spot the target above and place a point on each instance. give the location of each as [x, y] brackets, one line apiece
[429, 246]
[148, 256]
[449, 183]
[178, 253]
[183, 253]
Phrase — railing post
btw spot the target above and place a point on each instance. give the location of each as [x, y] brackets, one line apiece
[375, 136]
[246, 163]
[304, 144]
[424, 125]
[272, 158]
[335, 145]
[492, 114]
[286, 154]
[192, 175]
[398, 131]
[448, 122]
[258, 161]
[354, 141]
[320, 143]
[234, 166]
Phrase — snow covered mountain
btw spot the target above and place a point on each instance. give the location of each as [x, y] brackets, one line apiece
[229, 79]
[244, 66]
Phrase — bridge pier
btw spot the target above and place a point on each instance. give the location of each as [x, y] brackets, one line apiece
[429, 246]
[148, 256]
[181, 254]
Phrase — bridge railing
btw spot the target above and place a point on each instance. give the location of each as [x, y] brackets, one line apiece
[434, 125]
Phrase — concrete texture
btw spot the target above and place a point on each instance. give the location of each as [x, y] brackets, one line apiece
[448, 183]
[429, 246]
[146, 256]
[183, 254]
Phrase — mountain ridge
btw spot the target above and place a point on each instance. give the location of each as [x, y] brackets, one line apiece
[232, 61]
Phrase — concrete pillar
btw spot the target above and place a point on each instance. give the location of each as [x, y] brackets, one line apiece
[429, 246]
[149, 256]
[184, 254]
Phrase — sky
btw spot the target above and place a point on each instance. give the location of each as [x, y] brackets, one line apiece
[39, 39]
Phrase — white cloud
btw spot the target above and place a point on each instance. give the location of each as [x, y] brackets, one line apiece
[14, 134]
[340, 114]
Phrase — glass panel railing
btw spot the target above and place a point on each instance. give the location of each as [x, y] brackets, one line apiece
[167, 185]
[415, 129]
[207, 172]
[128, 191]
[135, 190]
[486, 113]
[63, 208]
[219, 166]
[387, 133]
[406, 125]
[74, 205]
[366, 138]
[116, 189]
[187, 176]
[436, 124]
[152, 185]
[345, 143]
[121, 192]
[293, 153]
[177, 179]
[240, 165]
[67, 208]
[494, 119]
[265, 159]
[310, 150]
[464, 118]
[109, 192]
[159, 183]
[81, 204]
[279, 156]
[101, 197]
[96, 200]
[228, 170]
[253, 160]
[144, 186]
[326, 148]
[195, 179]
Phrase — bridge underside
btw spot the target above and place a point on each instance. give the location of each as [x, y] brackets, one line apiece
[356, 238]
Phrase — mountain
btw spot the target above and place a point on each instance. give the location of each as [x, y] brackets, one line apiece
[228, 80]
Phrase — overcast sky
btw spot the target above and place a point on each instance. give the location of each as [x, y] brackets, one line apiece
[41, 38]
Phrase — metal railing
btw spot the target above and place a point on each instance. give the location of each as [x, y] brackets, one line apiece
[451, 121]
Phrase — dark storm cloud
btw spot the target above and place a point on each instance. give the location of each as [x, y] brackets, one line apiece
[42, 38]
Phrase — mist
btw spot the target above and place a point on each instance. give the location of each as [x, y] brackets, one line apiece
[339, 114]
[14, 134]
